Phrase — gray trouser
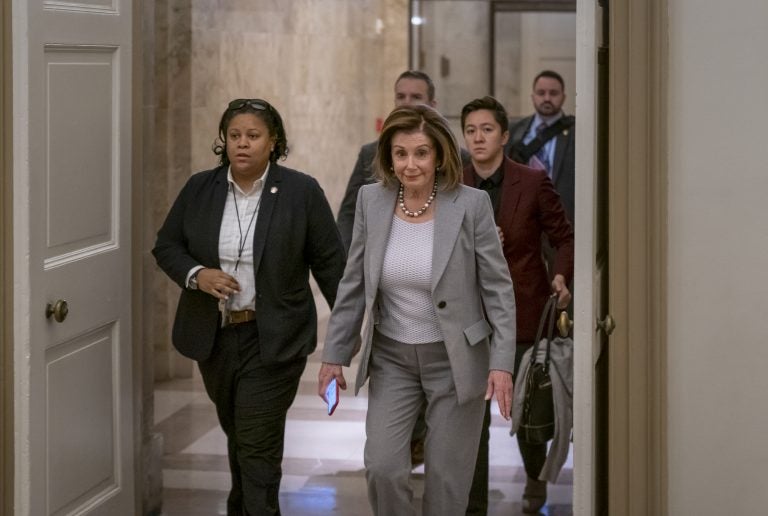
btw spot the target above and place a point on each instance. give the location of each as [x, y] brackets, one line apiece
[402, 378]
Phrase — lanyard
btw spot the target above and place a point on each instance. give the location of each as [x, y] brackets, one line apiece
[243, 238]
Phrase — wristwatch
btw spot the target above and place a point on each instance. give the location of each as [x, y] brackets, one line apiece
[193, 280]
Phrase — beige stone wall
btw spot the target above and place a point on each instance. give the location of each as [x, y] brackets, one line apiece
[328, 66]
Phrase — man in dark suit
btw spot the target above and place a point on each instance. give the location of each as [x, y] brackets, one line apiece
[240, 241]
[557, 155]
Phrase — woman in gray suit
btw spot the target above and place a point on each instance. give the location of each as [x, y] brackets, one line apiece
[426, 268]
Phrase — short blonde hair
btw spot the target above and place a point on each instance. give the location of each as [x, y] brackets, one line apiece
[423, 119]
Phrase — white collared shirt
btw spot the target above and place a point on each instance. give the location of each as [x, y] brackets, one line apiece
[237, 239]
[230, 240]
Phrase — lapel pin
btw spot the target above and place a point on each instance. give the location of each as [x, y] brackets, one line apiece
[273, 189]
[565, 132]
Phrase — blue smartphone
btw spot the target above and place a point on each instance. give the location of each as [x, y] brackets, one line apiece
[332, 396]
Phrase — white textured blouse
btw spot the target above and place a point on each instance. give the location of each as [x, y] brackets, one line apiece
[407, 312]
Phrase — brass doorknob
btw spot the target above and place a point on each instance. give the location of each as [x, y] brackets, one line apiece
[607, 324]
[564, 324]
[59, 310]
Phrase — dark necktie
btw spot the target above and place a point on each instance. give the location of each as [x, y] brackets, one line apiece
[542, 155]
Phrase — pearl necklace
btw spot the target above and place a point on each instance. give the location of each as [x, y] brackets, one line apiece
[421, 210]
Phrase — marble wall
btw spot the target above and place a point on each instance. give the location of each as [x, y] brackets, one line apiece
[328, 66]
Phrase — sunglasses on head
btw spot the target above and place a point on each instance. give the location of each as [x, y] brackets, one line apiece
[257, 104]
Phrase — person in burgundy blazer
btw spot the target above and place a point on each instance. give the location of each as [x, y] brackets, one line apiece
[530, 206]
[526, 206]
[240, 241]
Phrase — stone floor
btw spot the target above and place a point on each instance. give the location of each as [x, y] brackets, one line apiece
[323, 466]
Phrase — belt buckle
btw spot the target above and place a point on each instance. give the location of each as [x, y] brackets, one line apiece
[240, 316]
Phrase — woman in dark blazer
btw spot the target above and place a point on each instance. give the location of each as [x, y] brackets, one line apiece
[425, 267]
[240, 241]
[526, 206]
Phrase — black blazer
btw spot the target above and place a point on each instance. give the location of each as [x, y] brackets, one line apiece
[362, 174]
[295, 233]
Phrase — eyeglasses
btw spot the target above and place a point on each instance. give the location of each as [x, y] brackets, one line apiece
[257, 104]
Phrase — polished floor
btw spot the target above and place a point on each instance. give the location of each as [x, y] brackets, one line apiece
[323, 466]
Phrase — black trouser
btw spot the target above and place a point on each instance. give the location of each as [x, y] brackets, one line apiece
[252, 400]
[534, 455]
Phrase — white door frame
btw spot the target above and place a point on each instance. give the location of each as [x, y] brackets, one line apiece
[583, 334]
[21, 227]
[6, 270]
[637, 205]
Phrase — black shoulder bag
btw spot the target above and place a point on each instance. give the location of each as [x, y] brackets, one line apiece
[537, 424]
[522, 153]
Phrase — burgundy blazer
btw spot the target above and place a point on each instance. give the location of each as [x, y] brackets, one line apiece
[530, 206]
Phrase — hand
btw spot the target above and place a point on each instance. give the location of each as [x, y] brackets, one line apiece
[561, 289]
[327, 373]
[501, 234]
[217, 283]
[500, 385]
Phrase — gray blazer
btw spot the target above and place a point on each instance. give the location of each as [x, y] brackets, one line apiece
[362, 174]
[471, 287]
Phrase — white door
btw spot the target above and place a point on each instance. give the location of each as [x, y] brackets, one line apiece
[590, 268]
[72, 167]
[549, 40]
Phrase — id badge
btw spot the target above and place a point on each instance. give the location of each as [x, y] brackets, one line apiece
[225, 305]
[223, 308]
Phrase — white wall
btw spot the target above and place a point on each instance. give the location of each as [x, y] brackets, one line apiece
[718, 257]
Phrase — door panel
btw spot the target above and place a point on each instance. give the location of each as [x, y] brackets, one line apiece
[79, 82]
[80, 368]
[80, 390]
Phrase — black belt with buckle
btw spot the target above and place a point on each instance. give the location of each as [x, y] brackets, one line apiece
[239, 317]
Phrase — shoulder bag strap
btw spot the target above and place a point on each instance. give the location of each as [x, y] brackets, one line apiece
[522, 152]
[548, 314]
